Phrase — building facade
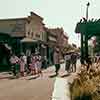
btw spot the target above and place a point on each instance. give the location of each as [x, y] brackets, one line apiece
[35, 31]
[55, 38]
[27, 34]
[65, 40]
[51, 43]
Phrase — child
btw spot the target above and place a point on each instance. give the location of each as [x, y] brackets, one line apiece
[22, 65]
[38, 64]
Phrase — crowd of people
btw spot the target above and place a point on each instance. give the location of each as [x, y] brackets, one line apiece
[70, 59]
[33, 64]
[30, 65]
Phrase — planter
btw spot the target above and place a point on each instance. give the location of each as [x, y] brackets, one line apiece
[86, 86]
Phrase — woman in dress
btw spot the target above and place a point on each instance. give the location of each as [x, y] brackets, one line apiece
[22, 64]
[38, 64]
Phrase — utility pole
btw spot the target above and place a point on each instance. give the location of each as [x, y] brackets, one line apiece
[86, 34]
[88, 4]
[84, 39]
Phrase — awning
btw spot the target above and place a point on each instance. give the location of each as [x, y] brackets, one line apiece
[28, 40]
[43, 46]
[7, 46]
[52, 39]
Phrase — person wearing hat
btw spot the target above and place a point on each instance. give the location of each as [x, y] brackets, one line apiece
[67, 58]
[74, 61]
[56, 59]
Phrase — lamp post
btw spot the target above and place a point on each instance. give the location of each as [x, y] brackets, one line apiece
[88, 4]
[84, 38]
[86, 34]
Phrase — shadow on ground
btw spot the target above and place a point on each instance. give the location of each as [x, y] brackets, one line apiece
[34, 77]
[52, 76]
[65, 75]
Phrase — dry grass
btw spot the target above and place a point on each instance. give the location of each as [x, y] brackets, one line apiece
[88, 84]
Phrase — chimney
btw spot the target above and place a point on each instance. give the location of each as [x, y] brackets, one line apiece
[31, 13]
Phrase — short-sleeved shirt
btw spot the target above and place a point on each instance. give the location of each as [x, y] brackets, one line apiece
[67, 57]
[14, 60]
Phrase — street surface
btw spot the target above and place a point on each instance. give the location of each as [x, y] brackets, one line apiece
[28, 88]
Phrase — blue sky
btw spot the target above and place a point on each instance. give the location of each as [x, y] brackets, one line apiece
[56, 13]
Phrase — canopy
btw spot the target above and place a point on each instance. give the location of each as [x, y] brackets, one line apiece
[7, 46]
[28, 40]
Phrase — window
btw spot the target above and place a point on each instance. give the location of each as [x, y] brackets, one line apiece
[28, 33]
[32, 34]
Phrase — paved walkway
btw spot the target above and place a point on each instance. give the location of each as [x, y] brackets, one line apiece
[62, 87]
[61, 90]
[28, 88]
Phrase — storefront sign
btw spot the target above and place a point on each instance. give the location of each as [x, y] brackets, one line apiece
[52, 39]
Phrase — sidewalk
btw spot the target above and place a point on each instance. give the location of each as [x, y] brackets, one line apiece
[35, 89]
[62, 86]
[47, 72]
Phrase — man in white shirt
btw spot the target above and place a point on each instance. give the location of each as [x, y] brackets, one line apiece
[14, 60]
[67, 62]
[56, 59]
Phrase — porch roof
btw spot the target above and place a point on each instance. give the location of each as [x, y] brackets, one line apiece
[28, 40]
